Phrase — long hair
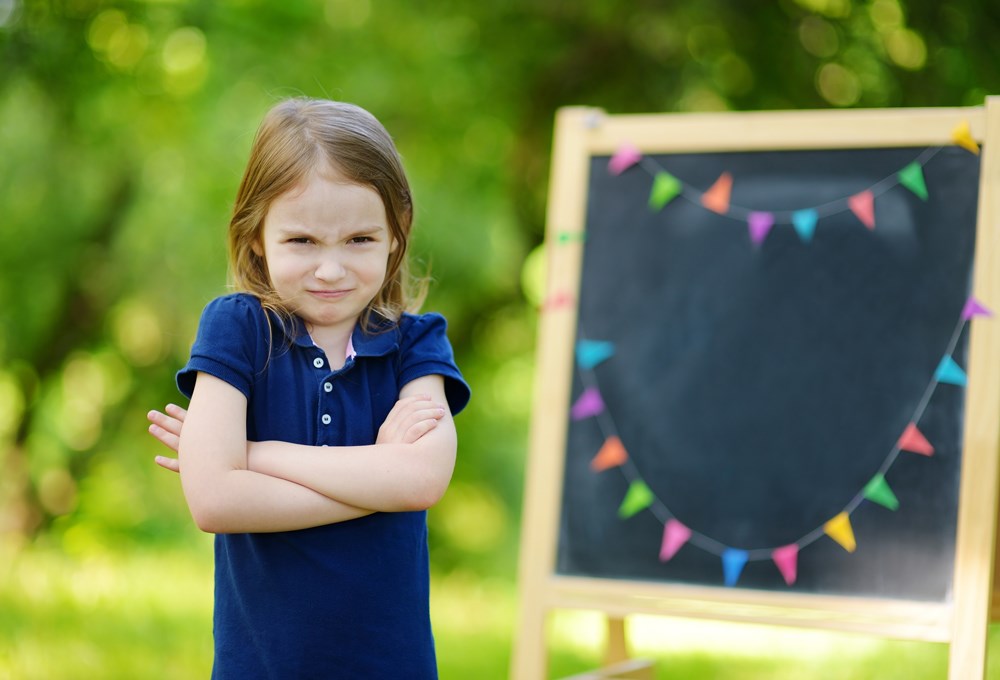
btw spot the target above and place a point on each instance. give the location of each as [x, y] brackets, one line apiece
[296, 136]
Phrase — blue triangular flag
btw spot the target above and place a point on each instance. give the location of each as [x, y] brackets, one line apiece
[733, 561]
[590, 353]
[804, 222]
[950, 372]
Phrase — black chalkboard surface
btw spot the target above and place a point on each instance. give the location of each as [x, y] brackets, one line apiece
[767, 376]
[758, 388]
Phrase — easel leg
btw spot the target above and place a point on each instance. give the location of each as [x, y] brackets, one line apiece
[530, 660]
[617, 648]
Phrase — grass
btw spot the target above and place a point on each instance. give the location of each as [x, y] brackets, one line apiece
[148, 614]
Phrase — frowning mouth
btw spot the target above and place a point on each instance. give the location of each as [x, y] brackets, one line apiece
[329, 294]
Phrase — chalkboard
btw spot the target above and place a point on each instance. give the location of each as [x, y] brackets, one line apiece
[768, 375]
[759, 388]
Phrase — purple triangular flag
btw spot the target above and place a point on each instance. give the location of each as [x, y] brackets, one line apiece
[589, 404]
[760, 225]
[975, 308]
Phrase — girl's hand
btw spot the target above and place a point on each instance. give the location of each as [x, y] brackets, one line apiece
[409, 420]
[166, 427]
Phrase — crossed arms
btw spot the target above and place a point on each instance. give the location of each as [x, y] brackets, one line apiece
[234, 486]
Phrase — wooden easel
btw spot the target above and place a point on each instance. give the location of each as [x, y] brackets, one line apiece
[962, 623]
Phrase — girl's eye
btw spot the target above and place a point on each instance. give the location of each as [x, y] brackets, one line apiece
[362, 239]
[300, 239]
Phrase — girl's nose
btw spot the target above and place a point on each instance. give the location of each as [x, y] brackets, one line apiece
[330, 268]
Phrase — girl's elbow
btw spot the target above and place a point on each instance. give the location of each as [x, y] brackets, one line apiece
[207, 519]
[210, 515]
[429, 491]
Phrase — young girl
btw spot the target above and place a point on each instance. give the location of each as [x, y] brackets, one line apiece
[319, 428]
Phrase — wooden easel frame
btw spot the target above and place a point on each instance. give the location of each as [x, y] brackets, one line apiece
[962, 623]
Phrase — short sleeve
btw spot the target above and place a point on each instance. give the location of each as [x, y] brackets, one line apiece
[226, 345]
[425, 350]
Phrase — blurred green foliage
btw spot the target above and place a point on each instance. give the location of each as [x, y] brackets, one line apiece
[124, 126]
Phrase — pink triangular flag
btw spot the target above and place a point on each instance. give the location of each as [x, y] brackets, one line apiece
[975, 308]
[716, 198]
[863, 206]
[612, 454]
[914, 441]
[557, 300]
[589, 404]
[787, 560]
[625, 157]
[760, 224]
[675, 535]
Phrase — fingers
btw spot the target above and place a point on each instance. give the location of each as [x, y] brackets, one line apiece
[410, 419]
[176, 412]
[171, 421]
[171, 464]
[167, 428]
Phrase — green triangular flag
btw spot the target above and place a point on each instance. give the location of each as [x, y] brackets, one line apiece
[878, 490]
[912, 177]
[570, 237]
[639, 497]
[665, 189]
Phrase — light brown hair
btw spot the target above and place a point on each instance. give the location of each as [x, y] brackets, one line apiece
[296, 136]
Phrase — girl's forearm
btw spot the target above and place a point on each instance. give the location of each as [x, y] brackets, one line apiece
[380, 477]
[244, 501]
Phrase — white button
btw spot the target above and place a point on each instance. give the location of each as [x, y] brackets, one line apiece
[328, 387]
[326, 418]
[318, 362]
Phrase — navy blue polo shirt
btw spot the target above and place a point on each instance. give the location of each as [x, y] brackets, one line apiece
[345, 600]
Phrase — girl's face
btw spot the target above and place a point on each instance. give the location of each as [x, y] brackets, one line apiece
[326, 244]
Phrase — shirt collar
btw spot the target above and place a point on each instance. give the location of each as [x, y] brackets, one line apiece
[364, 344]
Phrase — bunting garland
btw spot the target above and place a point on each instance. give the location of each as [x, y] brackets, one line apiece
[639, 496]
[613, 454]
[666, 187]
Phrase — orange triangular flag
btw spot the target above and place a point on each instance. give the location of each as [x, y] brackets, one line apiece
[716, 198]
[612, 454]
[913, 440]
[839, 529]
[863, 206]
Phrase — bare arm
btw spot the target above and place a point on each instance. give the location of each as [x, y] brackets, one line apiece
[222, 494]
[388, 477]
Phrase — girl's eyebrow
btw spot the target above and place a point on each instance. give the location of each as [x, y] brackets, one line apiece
[367, 231]
[296, 229]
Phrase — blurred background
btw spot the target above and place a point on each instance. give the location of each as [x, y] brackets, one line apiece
[124, 127]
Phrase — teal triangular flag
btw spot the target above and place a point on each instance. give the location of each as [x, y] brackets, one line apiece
[950, 372]
[665, 189]
[733, 561]
[590, 353]
[912, 177]
[804, 222]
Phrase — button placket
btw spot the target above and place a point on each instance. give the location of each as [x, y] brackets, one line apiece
[327, 387]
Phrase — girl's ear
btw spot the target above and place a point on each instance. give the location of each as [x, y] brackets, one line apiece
[255, 247]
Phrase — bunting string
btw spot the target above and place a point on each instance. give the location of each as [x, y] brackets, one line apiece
[590, 404]
[741, 213]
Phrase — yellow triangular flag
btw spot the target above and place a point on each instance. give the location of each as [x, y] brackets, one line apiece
[962, 136]
[839, 529]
